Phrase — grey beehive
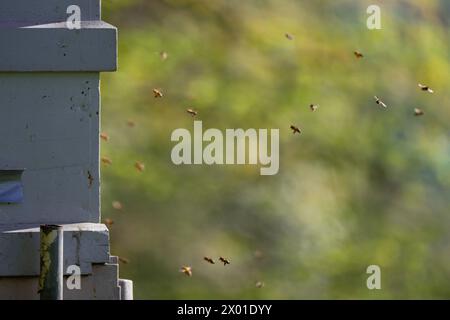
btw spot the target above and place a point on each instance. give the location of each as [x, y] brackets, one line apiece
[49, 141]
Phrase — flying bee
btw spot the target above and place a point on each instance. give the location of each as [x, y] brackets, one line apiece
[186, 270]
[124, 260]
[259, 284]
[192, 112]
[157, 93]
[358, 54]
[208, 259]
[289, 36]
[295, 129]
[163, 55]
[418, 112]
[379, 102]
[224, 261]
[117, 205]
[106, 161]
[425, 88]
[109, 222]
[313, 107]
[258, 254]
[90, 178]
[139, 166]
[131, 123]
[104, 136]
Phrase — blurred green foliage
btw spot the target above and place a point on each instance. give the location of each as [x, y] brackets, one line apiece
[361, 185]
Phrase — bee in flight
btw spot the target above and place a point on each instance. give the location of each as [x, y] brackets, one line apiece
[157, 93]
[224, 261]
[163, 55]
[209, 260]
[418, 112]
[358, 54]
[192, 112]
[117, 205]
[131, 123]
[139, 166]
[295, 129]
[104, 136]
[124, 260]
[425, 88]
[258, 254]
[313, 107]
[379, 102]
[259, 284]
[109, 222]
[186, 270]
[289, 36]
[106, 161]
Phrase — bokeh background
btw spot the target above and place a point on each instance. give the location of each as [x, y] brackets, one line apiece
[360, 186]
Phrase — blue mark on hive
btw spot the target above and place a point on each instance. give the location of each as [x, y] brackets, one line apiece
[11, 187]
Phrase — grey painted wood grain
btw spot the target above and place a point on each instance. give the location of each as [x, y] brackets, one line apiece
[49, 126]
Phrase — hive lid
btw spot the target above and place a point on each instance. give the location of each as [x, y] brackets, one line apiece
[34, 37]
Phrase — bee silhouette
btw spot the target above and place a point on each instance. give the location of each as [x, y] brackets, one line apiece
[209, 260]
[157, 93]
[379, 102]
[186, 270]
[295, 129]
[418, 112]
[224, 261]
[358, 54]
[106, 161]
[139, 166]
[124, 260]
[425, 88]
[313, 107]
[289, 36]
[192, 112]
[117, 205]
[131, 123]
[104, 136]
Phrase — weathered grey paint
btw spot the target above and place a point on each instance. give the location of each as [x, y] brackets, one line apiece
[100, 284]
[85, 244]
[49, 125]
[49, 128]
[53, 47]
